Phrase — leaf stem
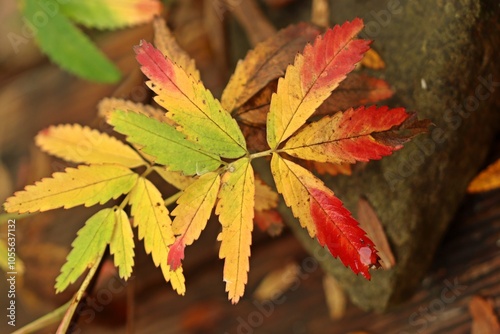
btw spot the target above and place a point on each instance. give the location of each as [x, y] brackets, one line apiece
[173, 198]
[63, 327]
[64, 312]
[261, 154]
[44, 321]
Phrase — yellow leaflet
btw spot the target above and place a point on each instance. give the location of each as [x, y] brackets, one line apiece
[177, 179]
[88, 247]
[166, 43]
[287, 178]
[236, 211]
[87, 185]
[155, 227]
[83, 145]
[194, 207]
[122, 244]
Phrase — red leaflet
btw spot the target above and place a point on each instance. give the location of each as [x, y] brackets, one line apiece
[323, 215]
[347, 137]
[176, 254]
[341, 234]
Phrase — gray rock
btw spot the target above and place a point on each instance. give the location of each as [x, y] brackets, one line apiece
[442, 61]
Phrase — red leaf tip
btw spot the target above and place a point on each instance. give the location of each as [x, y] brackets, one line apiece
[176, 254]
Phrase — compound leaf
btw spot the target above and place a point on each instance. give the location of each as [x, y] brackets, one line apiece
[236, 211]
[88, 247]
[323, 215]
[164, 142]
[347, 137]
[155, 227]
[68, 47]
[193, 209]
[111, 14]
[199, 115]
[83, 145]
[122, 244]
[312, 78]
[84, 185]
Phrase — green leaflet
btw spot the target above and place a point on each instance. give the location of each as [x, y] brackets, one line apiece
[65, 44]
[111, 14]
[163, 141]
[88, 247]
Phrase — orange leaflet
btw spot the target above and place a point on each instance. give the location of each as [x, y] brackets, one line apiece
[323, 215]
[347, 137]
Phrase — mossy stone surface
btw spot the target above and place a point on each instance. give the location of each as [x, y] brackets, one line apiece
[441, 62]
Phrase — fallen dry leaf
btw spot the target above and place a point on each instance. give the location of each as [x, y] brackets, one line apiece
[484, 320]
[320, 13]
[487, 180]
[369, 221]
[373, 60]
[277, 282]
[335, 297]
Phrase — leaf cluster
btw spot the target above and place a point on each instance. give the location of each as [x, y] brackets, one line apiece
[199, 147]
